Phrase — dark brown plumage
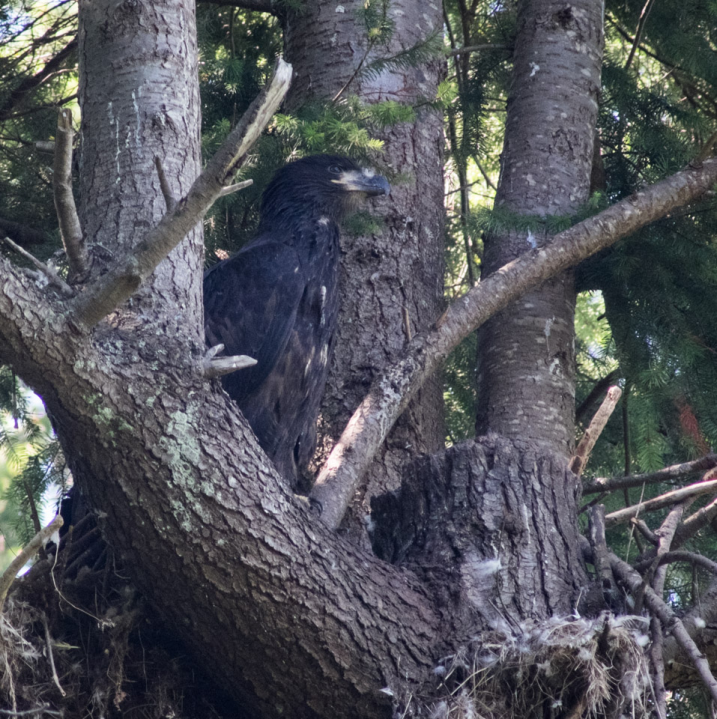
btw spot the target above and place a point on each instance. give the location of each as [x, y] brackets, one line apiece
[277, 301]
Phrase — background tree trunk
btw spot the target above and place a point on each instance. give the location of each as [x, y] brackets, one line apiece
[130, 54]
[526, 377]
[392, 280]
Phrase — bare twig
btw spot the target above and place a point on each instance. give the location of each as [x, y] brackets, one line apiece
[665, 534]
[601, 560]
[44, 709]
[595, 393]
[586, 444]
[213, 366]
[396, 385]
[123, 279]
[51, 658]
[169, 200]
[673, 472]
[664, 500]
[638, 32]
[69, 220]
[645, 531]
[680, 555]
[52, 277]
[669, 620]
[230, 189]
[706, 149]
[8, 576]
[701, 518]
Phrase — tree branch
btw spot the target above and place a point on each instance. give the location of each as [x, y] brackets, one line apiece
[70, 228]
[8, 576]
[18, 95]
[636, 480]
[52, 277]
[394, 388]
[669, 620]
[595, 393]
[701, 518]
[122, 280]
[680, 556]
[586, 444]
[213, 366]
[664, 500]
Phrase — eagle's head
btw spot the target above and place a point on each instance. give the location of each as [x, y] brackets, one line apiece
[326, 185]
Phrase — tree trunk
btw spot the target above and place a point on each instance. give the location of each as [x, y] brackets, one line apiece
[526, 375]
[391, 281]
[130, 53]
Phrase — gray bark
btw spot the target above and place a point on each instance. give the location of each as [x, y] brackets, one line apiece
[526, 353]
[397, 272]
[140, 100]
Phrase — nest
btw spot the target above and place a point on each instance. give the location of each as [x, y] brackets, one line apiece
[563, 667]
[77, 641]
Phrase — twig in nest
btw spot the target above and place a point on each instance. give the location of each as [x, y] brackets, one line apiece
[52, 277]
[582, 453]
[25, 555]
[213, 366]
[44, 709]
[51, 658]
[670, 622]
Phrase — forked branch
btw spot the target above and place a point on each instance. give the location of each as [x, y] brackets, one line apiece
[394, 388]
[123, 279]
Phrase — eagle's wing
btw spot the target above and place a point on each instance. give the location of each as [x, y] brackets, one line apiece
[250, 304]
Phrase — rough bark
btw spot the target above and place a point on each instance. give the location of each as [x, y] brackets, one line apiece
[140, 100]
[299, 620]
[490, 548]
[396, 273]
[526, 353]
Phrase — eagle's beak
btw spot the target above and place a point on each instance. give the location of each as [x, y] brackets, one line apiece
[366, 181]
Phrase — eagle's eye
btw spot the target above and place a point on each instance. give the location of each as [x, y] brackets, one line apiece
[335, 170]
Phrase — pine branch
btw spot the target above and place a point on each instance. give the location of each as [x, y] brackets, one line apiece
[122, 280]
[394, 388]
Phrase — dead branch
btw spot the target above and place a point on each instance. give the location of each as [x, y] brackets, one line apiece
[597, 425]
[397, 384]
[595, 393]
[670, 622]
[701, 518]
[601, 560]
[664, 500]
[8, 576]
[645, 531]
[52, 277]
[635, 480]
[123, 279]
[70, 228]
[213, 366]
[680, 555]
[665, 534]
[230, 189]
